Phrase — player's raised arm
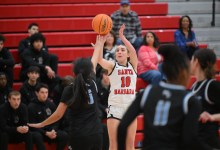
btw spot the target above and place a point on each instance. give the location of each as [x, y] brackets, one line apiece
[98, 48]
[131, 49]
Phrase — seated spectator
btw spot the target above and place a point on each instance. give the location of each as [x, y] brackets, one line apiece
[57, 93]
[28, 88]
[58, 90]
[25, 44]
[13, 122]
[103, 85]
[185, 38]
[4, 88]
[130, 18]
[36, 56]
[39, 110]
[148, 59]
[6, 62]
[110, 46]
[108, 50]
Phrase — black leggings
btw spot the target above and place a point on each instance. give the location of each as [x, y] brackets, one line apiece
[91, 142]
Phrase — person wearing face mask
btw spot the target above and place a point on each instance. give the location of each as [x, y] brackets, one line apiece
[185, 37]
[133, 31]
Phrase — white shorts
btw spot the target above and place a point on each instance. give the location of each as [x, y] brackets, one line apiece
[116, 112]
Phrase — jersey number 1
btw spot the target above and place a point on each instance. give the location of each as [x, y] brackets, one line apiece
[125, 81]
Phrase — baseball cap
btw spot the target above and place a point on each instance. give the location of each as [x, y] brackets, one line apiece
[123, 2]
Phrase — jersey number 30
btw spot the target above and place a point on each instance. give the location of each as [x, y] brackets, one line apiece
[125, 81]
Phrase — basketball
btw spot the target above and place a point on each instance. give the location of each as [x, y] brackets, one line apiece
[102, 24]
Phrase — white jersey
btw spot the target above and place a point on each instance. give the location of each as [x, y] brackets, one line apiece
[123, 85]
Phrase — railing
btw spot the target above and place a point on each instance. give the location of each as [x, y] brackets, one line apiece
[213, 14]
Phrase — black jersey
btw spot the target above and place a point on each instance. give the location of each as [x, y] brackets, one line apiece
[170, 117]
[209, 91]
[85, 121]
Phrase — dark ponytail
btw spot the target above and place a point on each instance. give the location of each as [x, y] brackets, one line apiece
[175, 65]
[80, 98]
[83, 70]
[207, 60]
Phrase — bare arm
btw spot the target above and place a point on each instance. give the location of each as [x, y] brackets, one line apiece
[205, 117]
[132, 51]
[98, 47]
[57, 115]
[98, 54]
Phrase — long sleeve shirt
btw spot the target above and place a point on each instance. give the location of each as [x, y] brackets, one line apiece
[131, 21]
[32, 57]
[147, 59]
[6, 59]
[181, 40]
[39, 111]
[28, 92]
[4, 91]
[10, 118]
[25, 44]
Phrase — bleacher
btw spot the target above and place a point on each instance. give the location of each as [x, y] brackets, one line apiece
[66, 24]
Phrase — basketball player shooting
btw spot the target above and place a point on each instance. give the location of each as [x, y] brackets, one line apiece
[122, 74]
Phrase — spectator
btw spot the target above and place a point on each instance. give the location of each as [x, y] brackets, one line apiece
[130, 18]
[108, 51]
[13, 122]
[29, 86]
[58, 90]
[170, 112]
[6, 62]
[35, 56]
[185, 38]
[103, 85]
[39, 110]
[24, 44]
[149, 59]
[202, 66]
[4, 88]
[110, 46]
